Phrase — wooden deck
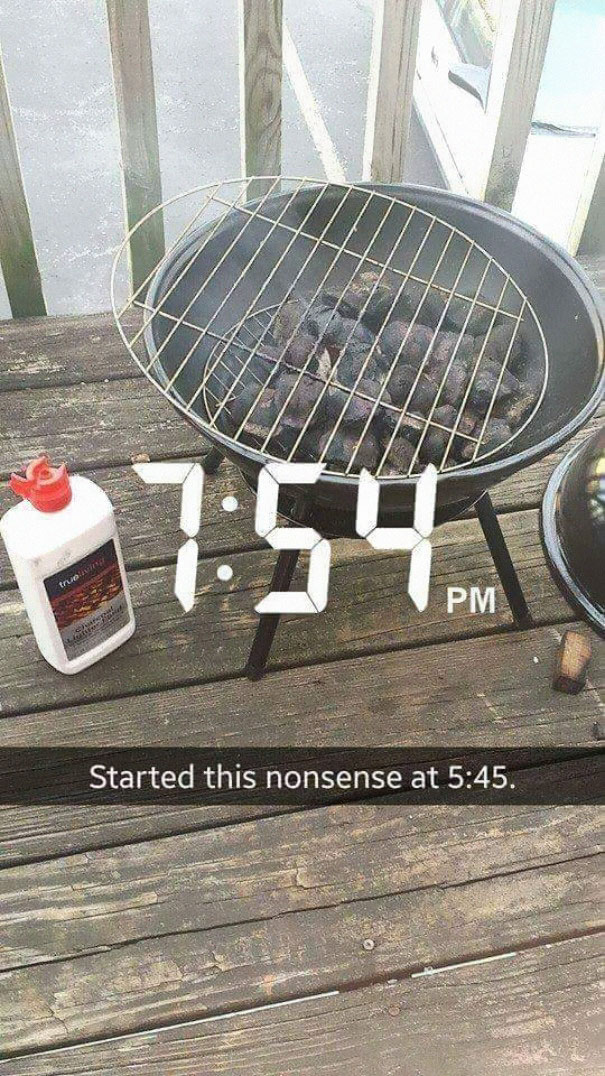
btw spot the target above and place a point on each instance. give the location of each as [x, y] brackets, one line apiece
[156, 940]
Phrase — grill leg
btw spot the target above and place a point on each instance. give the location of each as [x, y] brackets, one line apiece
[502, 559]
[267, 625]
[213, 461]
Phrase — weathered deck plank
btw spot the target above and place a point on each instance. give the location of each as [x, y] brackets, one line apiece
[276, 907]
[120, 939]
[148, 516]
[94, 424]
[531, 1014]
[55, 352]
[213, 640]
[378, 700]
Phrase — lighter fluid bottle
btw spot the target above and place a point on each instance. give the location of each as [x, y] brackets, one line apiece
[65, 552]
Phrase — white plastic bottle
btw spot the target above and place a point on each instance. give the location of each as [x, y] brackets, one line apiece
[64, 548]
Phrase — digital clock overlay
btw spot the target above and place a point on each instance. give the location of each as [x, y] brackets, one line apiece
[415, 540]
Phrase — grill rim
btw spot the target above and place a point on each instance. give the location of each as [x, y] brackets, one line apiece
[483, 475]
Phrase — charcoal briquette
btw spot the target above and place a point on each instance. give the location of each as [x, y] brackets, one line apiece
[262, 419]
[417, 345]
[451, 347]
[350, 409]
[423, 395]
[517, 410]
[347, 303]
[445, 415]
[497, 432]
[427, 308]
[433, 446]
[265, 364]
[362, 406]
[342, 446]
[436, 440]
[509, 385]
[467, 426]
[266, 411]
[479, 321]
[459, 310]
[392, 422]
[464, 454]
[338, 334]
[345, 336]
[364, 291]
[307, 448]
[408, 343]
[454, 386]
[363, 335]
[399, 458]
[318, 320]
[400, 383]
[298, 395]
[370, 297]
[496, 345]
[373, 387]
[288, 321]
[353, 362]
[485, 385]
[300, 349]
[393, 335]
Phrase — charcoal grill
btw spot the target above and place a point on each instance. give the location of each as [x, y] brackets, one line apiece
[573, 528]
[249, 252]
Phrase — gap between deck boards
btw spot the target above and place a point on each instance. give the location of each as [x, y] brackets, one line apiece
[408, 977]
[377, 1025]
[413, 973]
[500, 876]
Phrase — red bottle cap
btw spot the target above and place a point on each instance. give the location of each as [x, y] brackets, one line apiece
[47, 488]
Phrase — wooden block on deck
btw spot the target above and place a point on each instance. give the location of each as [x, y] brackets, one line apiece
[571, 663]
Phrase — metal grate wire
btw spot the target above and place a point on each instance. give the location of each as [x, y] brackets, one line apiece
[207, 389]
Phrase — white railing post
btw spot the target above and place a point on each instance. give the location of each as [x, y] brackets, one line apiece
[521, 43]
[130, 45]
[260, 62]
[390, 91]
[17, 250]
[587, 234]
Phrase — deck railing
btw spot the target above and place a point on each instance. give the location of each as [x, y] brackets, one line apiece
[518, 60]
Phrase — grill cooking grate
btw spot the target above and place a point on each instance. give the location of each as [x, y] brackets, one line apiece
[380, 261]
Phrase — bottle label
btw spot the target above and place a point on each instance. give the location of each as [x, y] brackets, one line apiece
[88, 600]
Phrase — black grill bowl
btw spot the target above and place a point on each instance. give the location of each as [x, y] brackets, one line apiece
[565, 303]
[573, 527]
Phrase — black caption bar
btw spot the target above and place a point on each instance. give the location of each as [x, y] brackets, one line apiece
[301, 776]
